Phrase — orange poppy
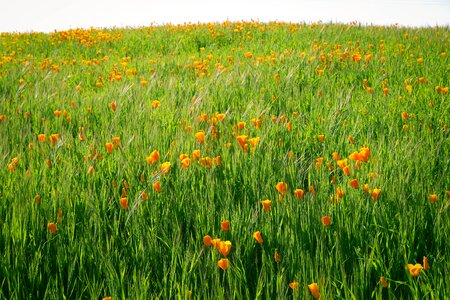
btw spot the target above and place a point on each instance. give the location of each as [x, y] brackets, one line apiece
[52, 228]
[326, 221]
[225, 225]
[109, 147]
[383, 282]
[414, 270]
[314, 289]
[196, 154]
[294, 285]
[257, 236]
[157, 186]
[224, 248]
[153, 157]
[207, 241]
[42, 137]
[185, 162]
[223, 264]
[144, 196]
[321, 138]
[156, 103]
[200, 136]
[432, 198]
[266, 204]
[242, 139]
[276, 256]
[124, 202]
[282, 187]
[299, 193]
[354, 183]
[116, 141]
[426, 264]
[375, 194]
[165, 167]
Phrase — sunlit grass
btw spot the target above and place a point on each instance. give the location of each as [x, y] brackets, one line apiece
[318, 154]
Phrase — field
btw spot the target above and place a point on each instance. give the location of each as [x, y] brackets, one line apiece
[234, 160]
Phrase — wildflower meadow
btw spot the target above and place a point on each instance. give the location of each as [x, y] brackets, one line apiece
[235, 160]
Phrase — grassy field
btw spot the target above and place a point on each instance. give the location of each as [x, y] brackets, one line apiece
[135, 163]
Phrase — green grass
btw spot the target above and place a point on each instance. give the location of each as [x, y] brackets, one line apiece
[154, 249]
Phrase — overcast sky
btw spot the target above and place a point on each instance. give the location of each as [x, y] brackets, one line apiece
[50, 15]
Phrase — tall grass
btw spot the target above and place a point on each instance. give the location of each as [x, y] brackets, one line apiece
[316, 89]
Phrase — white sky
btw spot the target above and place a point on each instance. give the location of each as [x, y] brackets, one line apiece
[50, 15]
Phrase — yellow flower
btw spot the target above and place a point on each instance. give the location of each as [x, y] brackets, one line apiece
[223, 264]
[326, 221]
[257, 236]
[156, 103]
[294, 285]
[414, 270]
[224, 248]
[375, 194]
[432, 198]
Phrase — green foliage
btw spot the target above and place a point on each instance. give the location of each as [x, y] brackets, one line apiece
[381, 89]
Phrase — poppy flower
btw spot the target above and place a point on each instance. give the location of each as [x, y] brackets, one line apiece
[220, 116]
[351, 139]
[414, 270]
[375, 194]
[113, 105]
[342, 163]
[157, 186]
[257, 236]
[153, 157]
[144, 196]
[312, 190]
[314, 289]
[207, 241]
[225, 225]
[223, 264]
[242, 139]
[165, 167]
[383, 282]
[282, 187]
[321, 138]
[52, 228]
[339, 192]
[185, 162]
[156, 103]
[276, 256]
[426, 265]
[253, 141]
[299, 193]
[41, 137]
[335, 156]
[432, 198]
[224, 248]
[354, 183]
[109, 147]
[200, 136]
[256, 123]
[183, 156]
[116, 141]
[196, 154]
[124, 202]
[266, 204]
[355, 156]
[37, 198]
[326, 221]
[294, 285]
